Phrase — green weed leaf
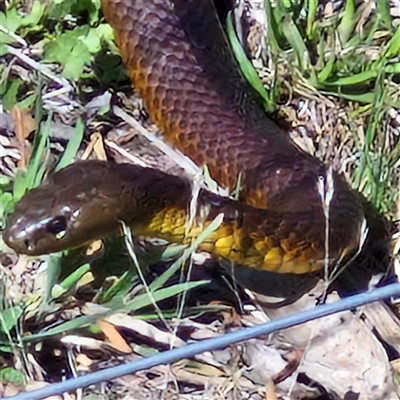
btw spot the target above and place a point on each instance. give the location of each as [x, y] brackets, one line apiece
[9, 318]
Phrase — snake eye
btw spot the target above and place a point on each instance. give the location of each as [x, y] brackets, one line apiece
[58, 227]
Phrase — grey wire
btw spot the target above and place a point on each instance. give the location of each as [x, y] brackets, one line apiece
[225, 340]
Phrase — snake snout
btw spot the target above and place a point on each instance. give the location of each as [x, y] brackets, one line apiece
[18, 238]
[28, 234]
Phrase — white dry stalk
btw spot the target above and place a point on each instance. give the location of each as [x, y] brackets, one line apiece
[210, 184]
[132, 158]
[38, 67]
[193, 206]
[60, 93]
[65, 90]
[339, 267]
[6, 73]
[83, 342]
[129, 245]
[16, 37]
[181, 306]
[326, 189]
[200, 213]
[71, 359]
[184, 162]
[193, 210]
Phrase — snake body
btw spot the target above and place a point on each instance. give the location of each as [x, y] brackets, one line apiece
[179, 61]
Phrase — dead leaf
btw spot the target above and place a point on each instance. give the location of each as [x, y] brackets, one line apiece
[114, 337]
[24, 125]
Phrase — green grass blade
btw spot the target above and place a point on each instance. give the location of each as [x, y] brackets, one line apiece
[120, 287]
[57, 290]
[161, 280]
[162, 294]
[76, 323]
[39, 100]
[137, 303]
[348, 22]
[393, 47]
[36, 164]
[246, 66]
[326, 72]
[6, 203]
[9, 317]
[312, 11]
[274, 34]
[72, 148]
[362, 77]
[296, 41]
[393, 68]
[367, 98]
[26, 179]
[19, 185]
[52, 274]
[383, 11]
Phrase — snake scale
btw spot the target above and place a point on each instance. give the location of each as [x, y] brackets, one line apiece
[278, 234]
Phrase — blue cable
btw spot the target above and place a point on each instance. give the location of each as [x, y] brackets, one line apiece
[223, 341]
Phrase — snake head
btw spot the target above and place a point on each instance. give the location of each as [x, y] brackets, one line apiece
[38, 231]
[67, 211]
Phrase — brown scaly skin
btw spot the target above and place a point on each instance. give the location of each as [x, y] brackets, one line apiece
[153, 203]
[179, 61]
